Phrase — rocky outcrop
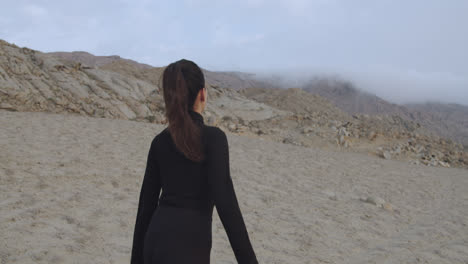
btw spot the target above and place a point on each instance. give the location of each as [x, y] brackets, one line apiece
[34, 81]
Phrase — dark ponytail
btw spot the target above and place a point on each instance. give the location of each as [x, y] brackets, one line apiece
[181, 82]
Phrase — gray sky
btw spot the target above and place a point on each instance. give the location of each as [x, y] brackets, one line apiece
[402, 50]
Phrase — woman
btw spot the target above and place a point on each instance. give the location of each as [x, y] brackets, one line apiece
[189, 161]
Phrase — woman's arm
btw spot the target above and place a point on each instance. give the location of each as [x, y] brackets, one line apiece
[149, 196]
[225, 200]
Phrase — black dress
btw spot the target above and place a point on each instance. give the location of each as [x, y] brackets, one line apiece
[176, 227]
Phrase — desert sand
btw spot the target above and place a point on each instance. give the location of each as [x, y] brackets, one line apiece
[70, 186]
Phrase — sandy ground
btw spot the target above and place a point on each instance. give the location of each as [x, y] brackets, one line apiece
[70, 185]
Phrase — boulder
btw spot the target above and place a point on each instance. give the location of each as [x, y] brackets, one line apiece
[386, 155]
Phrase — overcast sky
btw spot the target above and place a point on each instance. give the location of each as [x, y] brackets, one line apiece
[402, 50]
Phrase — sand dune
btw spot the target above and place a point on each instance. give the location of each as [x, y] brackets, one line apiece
[70, 185]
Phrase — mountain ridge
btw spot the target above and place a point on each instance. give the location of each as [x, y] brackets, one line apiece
[34, 81]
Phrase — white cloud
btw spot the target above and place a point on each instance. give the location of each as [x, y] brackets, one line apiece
[309, 8]
[255, 3]
[34, 10]
[251, 39]
[223, 35]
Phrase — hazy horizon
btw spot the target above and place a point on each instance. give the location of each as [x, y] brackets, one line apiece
[401, 51]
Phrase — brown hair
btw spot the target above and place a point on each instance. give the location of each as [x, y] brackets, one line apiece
[181, 81]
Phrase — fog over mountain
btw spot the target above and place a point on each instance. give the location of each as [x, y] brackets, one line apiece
[396, 87]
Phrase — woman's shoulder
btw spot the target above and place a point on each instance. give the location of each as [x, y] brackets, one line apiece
[215, 137]
[161, 134]
[214, 131]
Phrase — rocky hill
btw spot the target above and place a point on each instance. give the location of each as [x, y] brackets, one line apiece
[112, 87]
[448, 120]
[231, 80]
[346, 96]
[89, 59]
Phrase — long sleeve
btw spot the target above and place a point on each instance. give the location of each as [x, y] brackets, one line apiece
[225, 200]
[148, 202]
